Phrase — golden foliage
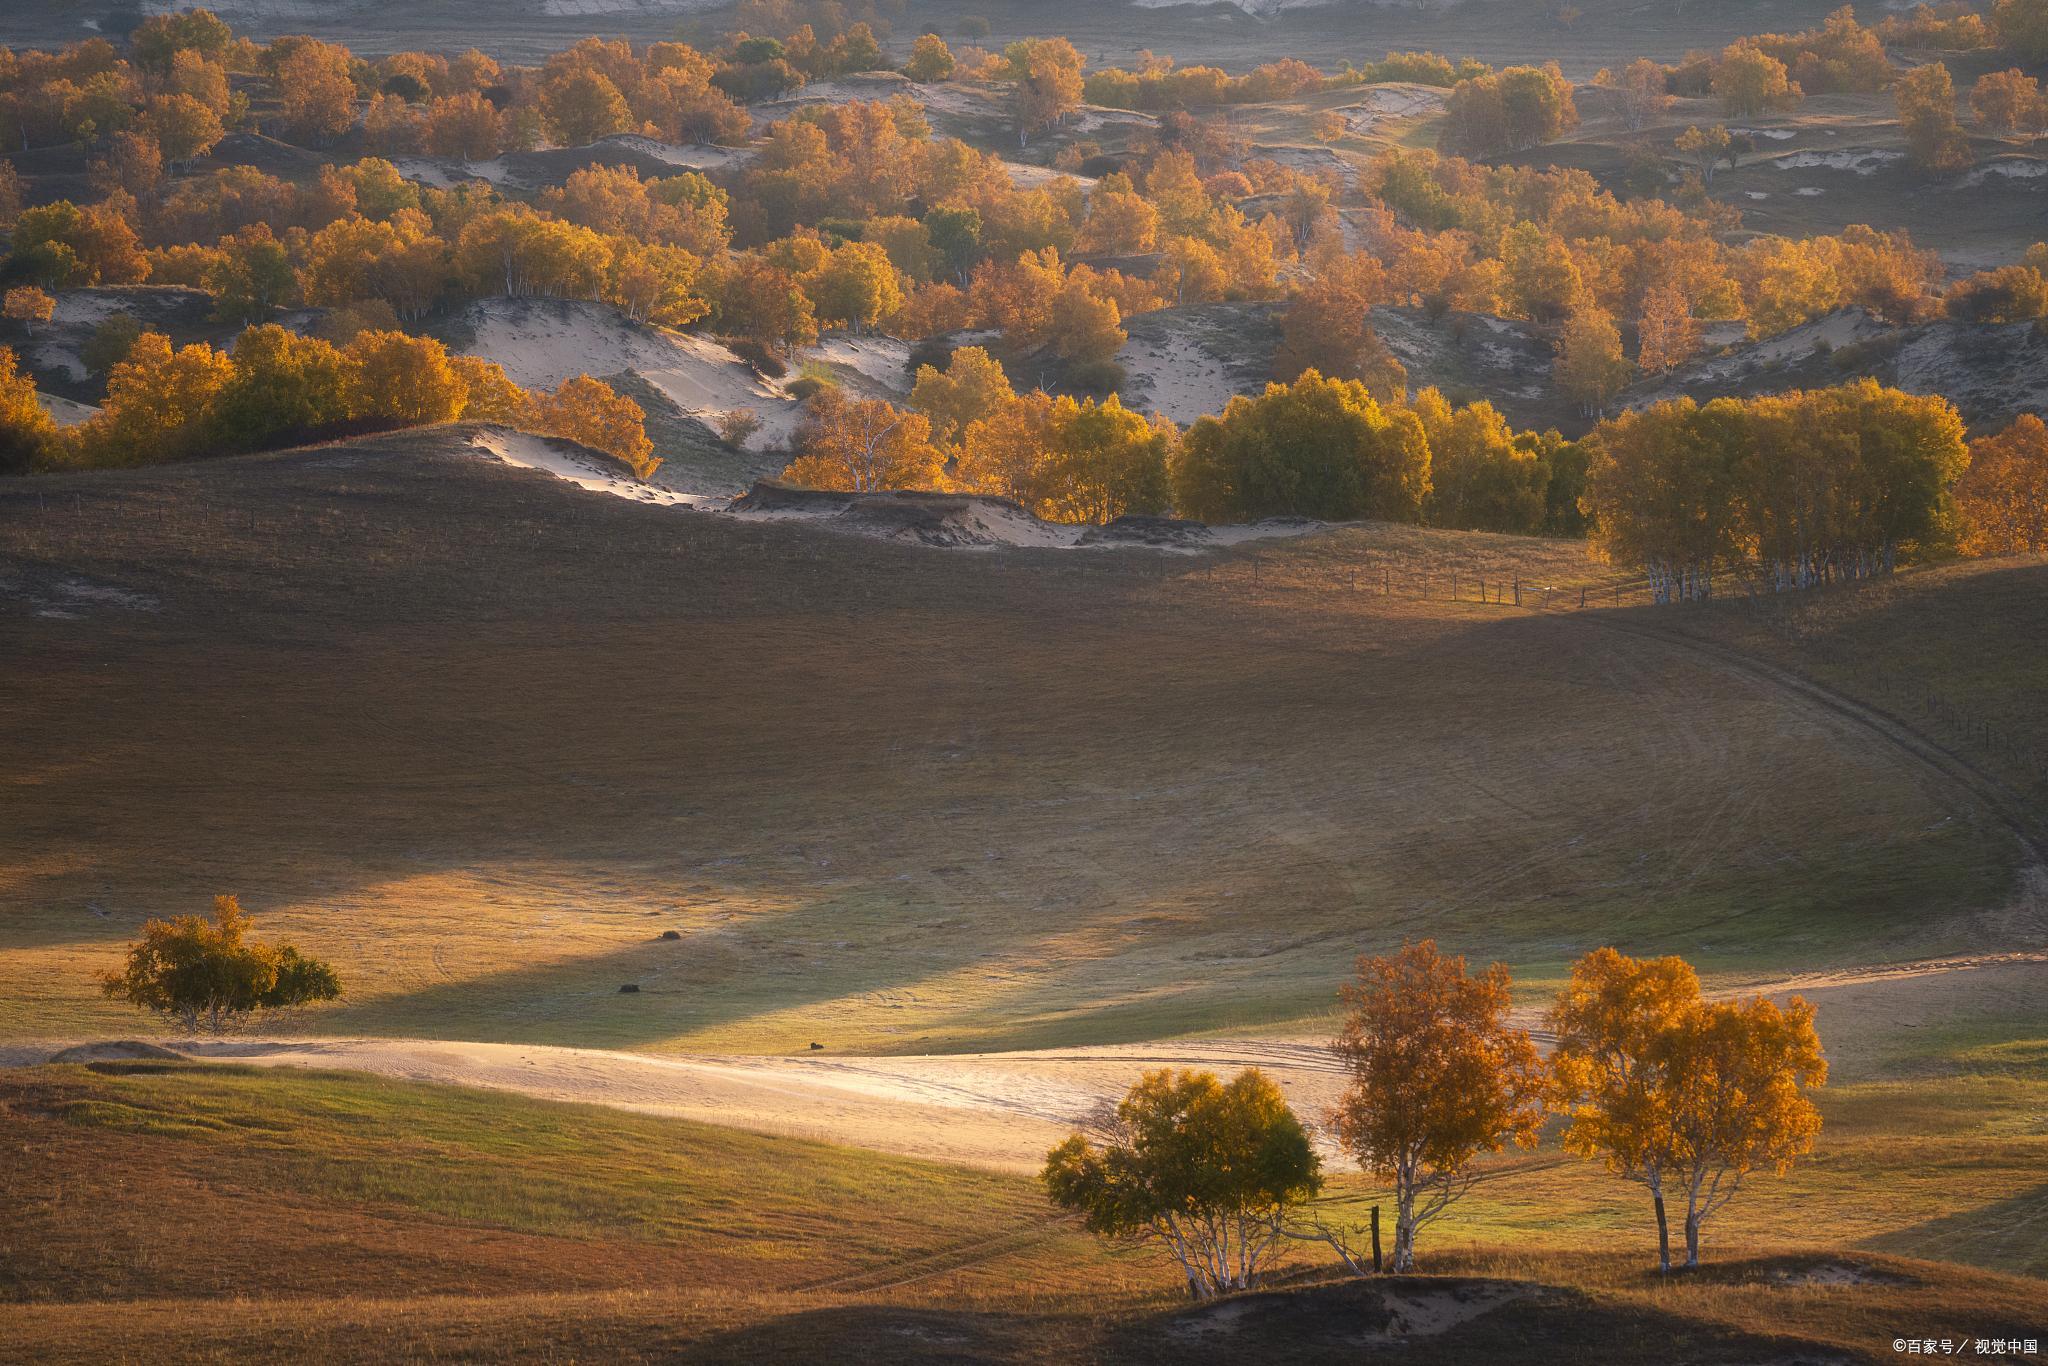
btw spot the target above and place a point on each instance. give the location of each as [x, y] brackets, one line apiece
[1438, 1077]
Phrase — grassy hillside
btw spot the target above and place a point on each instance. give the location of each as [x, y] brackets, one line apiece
[481, 738]
[368, 1220]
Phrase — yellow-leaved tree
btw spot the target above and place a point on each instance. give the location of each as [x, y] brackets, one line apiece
[863, 445]
[971, 388]
[26, 431]
[1677, 1093]
[404, 380]
[2004, 493]
[1438, 1077]
[590, 411]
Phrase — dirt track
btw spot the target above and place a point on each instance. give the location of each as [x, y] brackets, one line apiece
[1003, 1110]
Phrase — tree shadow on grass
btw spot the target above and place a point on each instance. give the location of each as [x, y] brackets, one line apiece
[2009, 1235]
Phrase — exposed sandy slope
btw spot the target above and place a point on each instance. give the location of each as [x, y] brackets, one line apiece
[565, 461]
[1003, 1110]
[542, 342]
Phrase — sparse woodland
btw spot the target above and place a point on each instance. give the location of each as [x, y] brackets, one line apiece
[857, 216]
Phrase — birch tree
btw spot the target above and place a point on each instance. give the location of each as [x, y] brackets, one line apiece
[1207, 1170]
[1438, 1077]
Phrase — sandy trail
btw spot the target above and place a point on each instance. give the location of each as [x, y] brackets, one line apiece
[1003, 1110]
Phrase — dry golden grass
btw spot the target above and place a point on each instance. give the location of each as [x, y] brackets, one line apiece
[479, 739]
[200, 1213]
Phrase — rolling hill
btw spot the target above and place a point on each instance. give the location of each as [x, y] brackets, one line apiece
[898, 799]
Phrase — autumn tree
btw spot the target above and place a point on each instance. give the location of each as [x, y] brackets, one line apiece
[1609, 1022]
[1483, 477]
[1438, 1077]
[251, 276]
[2009, 294]
[402, 379]
[1667, 334]
[1327, 327]
[930, 61]
[1003, 453]
[160, 405]
[1590, 367]
[1316, 448]
[1749, 81]
[763, 302]
[198, 971]
[863, 445]
[110, 343]
[1120, 222]
[316, 95]
[1047, 73]
[1643, 92]
[282, 384]
[582, 106]
[2008, 102]
[1678, 1093]
[1103, 462]
[592, 413]
[1706, 148]
[1927, 115]
[2004, 494]
[133, 164]
[158, 40]
[181, 127]
[26, 431]
[856, 286]
[1662, 488]
[62, 246]
[28, 306]
[465, 125]
[1208, 1170]
[1519, 107]
[970, 388]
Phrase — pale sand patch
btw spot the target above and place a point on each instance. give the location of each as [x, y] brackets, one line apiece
[586, 472]
[995, 1110]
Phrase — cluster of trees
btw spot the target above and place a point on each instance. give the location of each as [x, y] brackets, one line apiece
[274, 387]
[2009, 102]
[1316, 447]
[1684, 1096]
[1812, 486]
[200, 971]
[1156, 83]
[364, 233]
[1545, 245]
[2003, 496]
[1506, 111]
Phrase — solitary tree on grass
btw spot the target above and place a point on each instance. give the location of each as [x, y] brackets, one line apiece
[1437, 1078]
[1210, 1170]
[200, 971]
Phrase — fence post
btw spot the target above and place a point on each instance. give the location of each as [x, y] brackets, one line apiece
[1375, 1240]
[1518, 590]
